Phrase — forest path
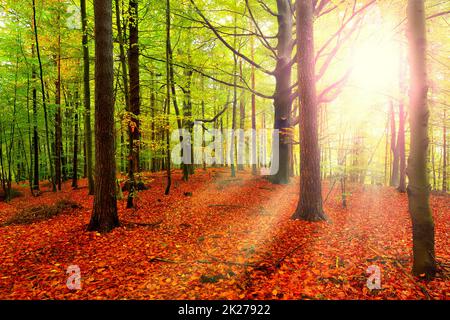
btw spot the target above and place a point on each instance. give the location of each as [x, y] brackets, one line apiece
[217, 237]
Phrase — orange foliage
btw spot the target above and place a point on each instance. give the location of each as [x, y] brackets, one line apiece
[232, 238]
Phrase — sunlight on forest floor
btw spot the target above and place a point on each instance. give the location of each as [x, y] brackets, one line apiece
[231, 239]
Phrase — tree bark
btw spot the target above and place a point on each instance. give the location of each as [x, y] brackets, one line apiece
[58, 120]
[35, 155]
[75, 146]
[104, 217]
[133, 67]
[44, 103]
[253, 85]
[401, 148]
[310, 203]
[168, 88]
[87, 100]
[395, 159]
[282, 96]
[134, 104]
[444, 154]
[241, 138]
[418, 188]
[401, 127]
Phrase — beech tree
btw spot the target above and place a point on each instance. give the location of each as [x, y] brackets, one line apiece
[310, 201]
[418, 186]
[104, 217]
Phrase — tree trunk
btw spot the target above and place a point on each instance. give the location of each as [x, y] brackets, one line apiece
[87, 100]
[401, 128]
[310, 203]
[104, 217]
[241, 143]
[58, 120]
[75, 146]
[282, 96]
[133, 67]
[444, 154]
[401, 149]
[134, 104]
[44, 103]
[168, 89]
[234, 111]
[153, 113]
[188, 168]
[35, 156]
[418, 187]
[253, 85]
[395, 162]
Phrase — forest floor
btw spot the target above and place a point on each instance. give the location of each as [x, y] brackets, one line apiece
[217, 237]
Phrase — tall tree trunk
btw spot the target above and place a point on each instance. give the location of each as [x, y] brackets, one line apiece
[104, 217]
[134, 104]
[401, 126]
[58, 120]
[44, 103]
[253, 86]
[35, 156]
[234, 111]
[401, 149]
[444, 153]
[188, 168]
[418, 187]
[133, 67]
[87, 100]
[75, 146]
[168, 88]
[282, 96]
[153, 114]
[395, 162]
[310, 203]
[241, 143]
[203, 128]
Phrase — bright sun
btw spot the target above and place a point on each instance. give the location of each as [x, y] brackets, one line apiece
[376, 66]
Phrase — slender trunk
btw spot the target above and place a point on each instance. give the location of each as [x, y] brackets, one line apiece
[401, 149]
[58, 129]
[188, 168]
[203, 128]
[386, 154]
[233, 117]
[87, 100]
[444, 154]
[104, 217]
[153, 113]
[395, 162]
[418, 188]
[168, 88]
[310, 203]
[133, 66]
[75, 146]
[44, 103]
[401, 127]
[253, 86]
[35, 130]
[241, 144]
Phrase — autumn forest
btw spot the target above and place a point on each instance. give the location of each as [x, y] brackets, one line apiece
[224, 150]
